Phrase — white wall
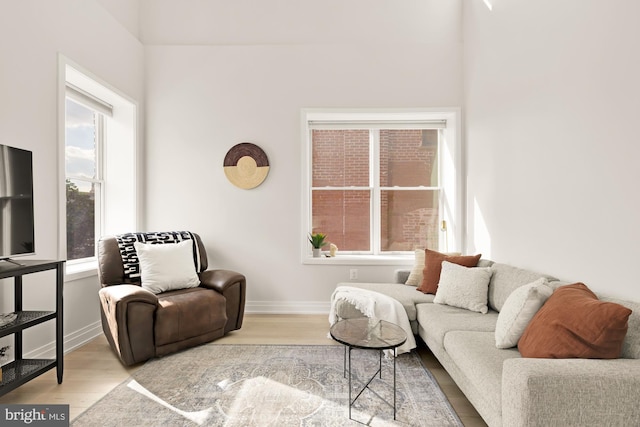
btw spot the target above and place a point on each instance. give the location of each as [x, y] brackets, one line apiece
[552, 100]
[126, 12]
[248, 22]
[32, 34]
[208, 90]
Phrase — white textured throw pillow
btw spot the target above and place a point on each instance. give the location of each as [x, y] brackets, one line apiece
[518, 310]
[166, 267]
[464, 287]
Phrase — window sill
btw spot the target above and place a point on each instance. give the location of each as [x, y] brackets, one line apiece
[80, 270]
[404, 260]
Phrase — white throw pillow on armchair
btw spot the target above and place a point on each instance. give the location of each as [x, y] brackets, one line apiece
[167, 267]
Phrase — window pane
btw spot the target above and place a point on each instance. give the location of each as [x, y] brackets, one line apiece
[80, 140]
[409, 220]
[80, 219]
[408, 158]
[340, 158]
[344, 217]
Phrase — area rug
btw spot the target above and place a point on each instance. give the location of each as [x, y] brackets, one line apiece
[269, 385]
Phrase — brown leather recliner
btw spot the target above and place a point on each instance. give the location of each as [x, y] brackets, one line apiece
[140, 325]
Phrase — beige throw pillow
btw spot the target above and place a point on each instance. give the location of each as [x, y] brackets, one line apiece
[518, 310]
[464, 287]
[415, 275]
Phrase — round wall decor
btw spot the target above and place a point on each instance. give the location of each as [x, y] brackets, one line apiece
[246, 165]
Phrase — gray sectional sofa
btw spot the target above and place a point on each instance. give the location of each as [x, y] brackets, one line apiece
[505, 388]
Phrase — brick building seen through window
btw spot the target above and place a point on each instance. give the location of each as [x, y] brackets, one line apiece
[386, 175]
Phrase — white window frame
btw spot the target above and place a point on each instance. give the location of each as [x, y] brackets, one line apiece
[98, 180]
[450, 182]
[117, 165]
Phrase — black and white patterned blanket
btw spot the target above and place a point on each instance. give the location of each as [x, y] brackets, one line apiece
[130, 257]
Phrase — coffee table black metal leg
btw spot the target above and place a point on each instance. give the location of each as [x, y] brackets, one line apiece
[379, 372]
[344, 363]
[350, 403]
[394, 383]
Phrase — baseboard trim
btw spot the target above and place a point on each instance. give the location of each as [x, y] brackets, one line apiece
[287, 307]
[71, 342]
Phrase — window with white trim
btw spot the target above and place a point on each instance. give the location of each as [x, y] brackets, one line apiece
[99, 152]
[84, 138]
[379, 183]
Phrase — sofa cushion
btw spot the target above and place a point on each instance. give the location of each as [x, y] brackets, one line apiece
[463, 287]
[433, 266]
[404, 294]
[484, 263]
[437, 320]
[188, 313]
[520, 307]
[574, 323]
[505, 279]
[631, 343]
[477, 357]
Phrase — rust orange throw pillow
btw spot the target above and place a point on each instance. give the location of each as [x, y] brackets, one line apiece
[574, 323]
[433, 266]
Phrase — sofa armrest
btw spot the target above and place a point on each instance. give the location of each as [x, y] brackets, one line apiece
[232, 286]
[401, 275]
[127, 313]
[570, 392]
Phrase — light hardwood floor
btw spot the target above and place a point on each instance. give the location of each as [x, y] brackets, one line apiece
[93, 370]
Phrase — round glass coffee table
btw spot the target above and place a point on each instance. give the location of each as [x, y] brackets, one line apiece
[368, 334]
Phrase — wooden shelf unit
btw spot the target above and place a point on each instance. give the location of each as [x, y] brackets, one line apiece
[21, 370]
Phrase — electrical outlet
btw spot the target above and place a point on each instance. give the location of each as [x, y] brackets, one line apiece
[353, 274]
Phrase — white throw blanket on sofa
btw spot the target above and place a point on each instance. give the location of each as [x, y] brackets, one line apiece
[376, 306]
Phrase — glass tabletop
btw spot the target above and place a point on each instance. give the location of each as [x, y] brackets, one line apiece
[368, 333]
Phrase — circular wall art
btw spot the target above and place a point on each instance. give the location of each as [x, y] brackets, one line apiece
[246, 165]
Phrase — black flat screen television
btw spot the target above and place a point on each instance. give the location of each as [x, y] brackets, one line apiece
[16, 202]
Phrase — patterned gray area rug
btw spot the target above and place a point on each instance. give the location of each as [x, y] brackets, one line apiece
[269, 385]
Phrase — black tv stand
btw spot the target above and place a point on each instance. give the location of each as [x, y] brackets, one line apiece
[21, 370]
[12, 262]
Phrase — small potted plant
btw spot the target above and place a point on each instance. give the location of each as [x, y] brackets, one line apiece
[317, 240]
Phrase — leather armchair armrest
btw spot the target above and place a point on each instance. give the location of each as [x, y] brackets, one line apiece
[127, 313]
[232, 286]
[124, 294]
[219, 280]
